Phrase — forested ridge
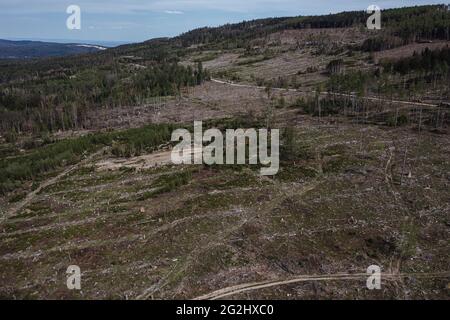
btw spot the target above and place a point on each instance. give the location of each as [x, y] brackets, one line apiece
[34, 49]
[409, 24]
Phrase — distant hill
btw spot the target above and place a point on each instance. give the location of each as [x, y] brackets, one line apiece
[36, 49]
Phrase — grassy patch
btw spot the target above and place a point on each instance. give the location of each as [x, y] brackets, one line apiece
[167, 183]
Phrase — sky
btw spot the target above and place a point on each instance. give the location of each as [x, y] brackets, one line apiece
[138, 20]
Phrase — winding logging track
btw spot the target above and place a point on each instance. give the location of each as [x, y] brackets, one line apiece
[30, 196]
[245, 287]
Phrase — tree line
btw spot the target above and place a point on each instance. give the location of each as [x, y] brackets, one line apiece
[428, 61]
[400, 26]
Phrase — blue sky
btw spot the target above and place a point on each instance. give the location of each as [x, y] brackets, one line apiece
[138, 20]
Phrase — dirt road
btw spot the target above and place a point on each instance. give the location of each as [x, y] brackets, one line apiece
[147, 161]
[413, 103]
[232, 290]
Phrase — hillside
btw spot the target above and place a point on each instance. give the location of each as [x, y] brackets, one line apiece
[86, 177]
[293, 51]
[36, 49]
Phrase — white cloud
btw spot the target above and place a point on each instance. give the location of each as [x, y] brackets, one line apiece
[173, 12]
